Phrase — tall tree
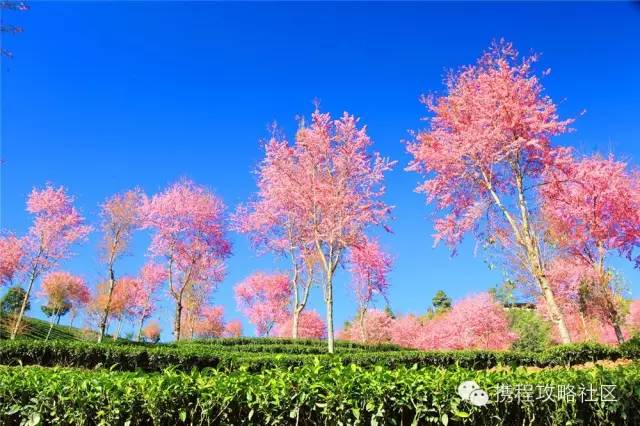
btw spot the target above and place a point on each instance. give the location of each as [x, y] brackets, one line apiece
[440, 302]
[189, 233]
[151, 276]
[370, 266]
[487, 145]
[264, 300]
[592, 206]
[120, 216]
[328, 188]
[56, 226]
[62, 291]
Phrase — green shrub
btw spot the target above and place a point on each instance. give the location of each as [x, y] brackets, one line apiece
[534, 333]
[312, 394]
[259, 356]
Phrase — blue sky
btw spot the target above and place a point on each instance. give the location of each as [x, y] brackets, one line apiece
[101, 97]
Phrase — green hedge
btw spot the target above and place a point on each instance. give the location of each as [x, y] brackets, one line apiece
[257, 357]
[310, 395]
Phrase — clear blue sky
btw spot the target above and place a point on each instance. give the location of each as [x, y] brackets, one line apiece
[101, 97]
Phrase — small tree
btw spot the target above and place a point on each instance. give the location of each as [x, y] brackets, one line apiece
[120, 216]
[264, 299]
[151, 276]
[12, 301]
[441, 302]
[233, 329]
[62, 291]
[190, 234]
[151, 333]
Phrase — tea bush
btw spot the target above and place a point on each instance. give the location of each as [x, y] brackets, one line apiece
[315, 393]
[260, 355]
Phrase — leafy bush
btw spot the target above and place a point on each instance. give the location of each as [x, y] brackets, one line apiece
[258, 356]
[534, 333]
[312, 394]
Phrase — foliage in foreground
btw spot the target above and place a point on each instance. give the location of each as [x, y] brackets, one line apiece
[313, 394]
[258, 356]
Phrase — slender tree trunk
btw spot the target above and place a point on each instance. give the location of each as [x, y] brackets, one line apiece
[58, 319]
[116, 335]
[329, 302]
[24, 305]
[139, 335]
[50, 328]
[363, 332]
[176, 323]
[296, 312]
[105, 314]
[554, 311]
[294, 322]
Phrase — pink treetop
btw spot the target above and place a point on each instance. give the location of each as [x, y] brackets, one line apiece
[476, 322]
[406, 331]
[151, 276]
[11, 256]
[595, 204]
[264, 299]
[123, 297]
[210, 322]
[310, 326]
[370, 267]
[151, 332]
[492, 128]
[61, 288]
[233, 329]
[56, 226]
[120, 216]
[377, 326]
[189, 232]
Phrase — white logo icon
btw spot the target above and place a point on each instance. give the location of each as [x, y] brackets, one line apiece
[470, 391]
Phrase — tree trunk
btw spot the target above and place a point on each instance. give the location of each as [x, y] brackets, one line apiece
[363, 332]
[24, 306]
[50, 328]
[294, 322]
[554, 311]
[116, 335]
[618, 330]
[105, 314]
[329, 302]
[139, 336]
[176, 323]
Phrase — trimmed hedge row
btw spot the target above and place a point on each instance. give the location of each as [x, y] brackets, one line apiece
[311, 395]
[185, 356]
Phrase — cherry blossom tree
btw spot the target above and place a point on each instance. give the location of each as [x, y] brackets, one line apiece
[151, 276]
[189, 233]
[327, 189]
[210, 322]
[194, 301]
[311, 326]
[406, 330]
[378, 324]
[11, 256]
[592, 206]
[486, 147]
[369, 267]
[63, 291]
[233, 329]
[264, 300]
[476, 322]
[151, 333]
[120, 216]
[57, 225]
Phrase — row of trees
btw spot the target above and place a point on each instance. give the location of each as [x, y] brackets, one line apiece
[491, 168]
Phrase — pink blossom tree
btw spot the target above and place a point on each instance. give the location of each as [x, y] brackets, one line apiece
[406, 331]
[189, 233]
[120, 216]
[233, 329]
[264, 300]
[11, 256]
[378, 324]
[487, 145]
[311, 326]
[151, 333]
[57, 225]
[63, 291]
[369, 268]
[476, 322]
[210, 322]
[328, 188]
[151, 276]
[593, 208]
